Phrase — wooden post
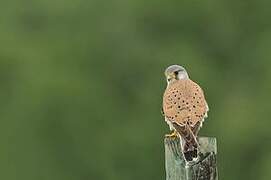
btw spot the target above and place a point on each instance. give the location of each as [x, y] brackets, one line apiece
[203, 169]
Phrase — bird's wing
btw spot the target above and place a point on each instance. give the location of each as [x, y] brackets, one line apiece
[195, 129]
[174, 106]
[162, 112]
[198, 104]
[190, 140]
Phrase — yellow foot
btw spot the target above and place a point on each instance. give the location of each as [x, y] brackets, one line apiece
[172, 135]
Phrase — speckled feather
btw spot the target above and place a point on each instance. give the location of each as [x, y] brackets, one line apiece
[184, 103]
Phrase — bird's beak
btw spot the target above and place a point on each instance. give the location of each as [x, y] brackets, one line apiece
[171, 76]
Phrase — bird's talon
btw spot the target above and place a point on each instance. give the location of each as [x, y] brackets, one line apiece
[172, 135]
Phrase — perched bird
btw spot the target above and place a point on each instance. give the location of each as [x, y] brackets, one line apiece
[184, 108]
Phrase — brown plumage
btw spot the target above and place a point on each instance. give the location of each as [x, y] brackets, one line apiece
[184, 103]
[185, 108]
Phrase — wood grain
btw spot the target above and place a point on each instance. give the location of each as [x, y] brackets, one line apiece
[203, 169]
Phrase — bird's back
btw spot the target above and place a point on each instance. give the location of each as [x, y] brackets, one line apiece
[184, 102]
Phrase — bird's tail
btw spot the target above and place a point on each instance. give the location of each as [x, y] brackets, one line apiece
[189, 142]
[190, 150]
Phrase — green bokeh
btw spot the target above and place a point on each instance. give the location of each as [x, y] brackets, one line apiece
[81, 85]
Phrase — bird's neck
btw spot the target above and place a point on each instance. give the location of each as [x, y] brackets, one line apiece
[182, 76]
[179, 77]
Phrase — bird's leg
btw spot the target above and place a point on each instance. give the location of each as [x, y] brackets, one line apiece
[172, 135]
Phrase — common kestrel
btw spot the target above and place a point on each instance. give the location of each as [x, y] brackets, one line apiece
[184, 108]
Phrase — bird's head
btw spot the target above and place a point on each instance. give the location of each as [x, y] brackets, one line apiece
[175, 72]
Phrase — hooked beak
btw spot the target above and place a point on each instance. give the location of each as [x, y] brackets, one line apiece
[171, 76]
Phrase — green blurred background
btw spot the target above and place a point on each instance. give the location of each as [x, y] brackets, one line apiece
[81, 85]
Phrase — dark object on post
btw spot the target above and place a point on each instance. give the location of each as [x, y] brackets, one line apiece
[205, 168]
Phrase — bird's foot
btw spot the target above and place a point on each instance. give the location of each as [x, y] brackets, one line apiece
[172, 135]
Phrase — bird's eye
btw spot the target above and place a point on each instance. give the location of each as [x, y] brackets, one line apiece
[176, 73]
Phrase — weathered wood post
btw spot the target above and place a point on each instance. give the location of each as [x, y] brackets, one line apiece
[203, 169]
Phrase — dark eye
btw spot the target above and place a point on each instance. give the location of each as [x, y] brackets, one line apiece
[176, 73]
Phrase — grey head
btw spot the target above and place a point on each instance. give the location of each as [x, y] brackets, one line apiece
[175, 72]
